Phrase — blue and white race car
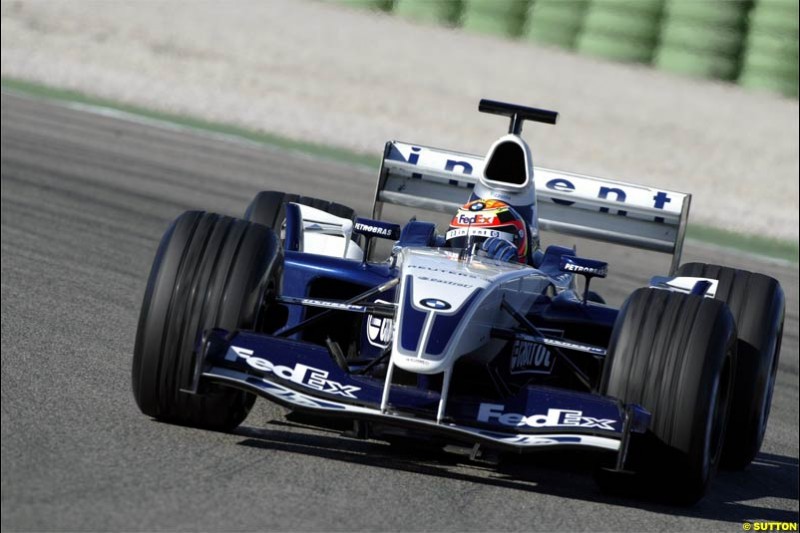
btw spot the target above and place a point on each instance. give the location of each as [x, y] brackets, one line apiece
[475, 336]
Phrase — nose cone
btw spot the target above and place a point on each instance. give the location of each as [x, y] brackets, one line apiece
[508, 165]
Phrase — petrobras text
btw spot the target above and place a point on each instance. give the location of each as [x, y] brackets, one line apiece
[572, 267]
[489, 412]
[307, 376]
[376, 228]
[582, 265]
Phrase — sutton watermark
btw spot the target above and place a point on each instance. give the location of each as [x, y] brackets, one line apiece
[769, 526]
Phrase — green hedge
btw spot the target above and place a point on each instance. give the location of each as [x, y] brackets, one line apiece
[754, 42]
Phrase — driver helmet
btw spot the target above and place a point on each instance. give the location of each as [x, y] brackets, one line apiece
[479, 220]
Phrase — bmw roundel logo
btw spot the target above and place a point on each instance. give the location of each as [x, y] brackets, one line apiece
[435, 303]
[477, 206]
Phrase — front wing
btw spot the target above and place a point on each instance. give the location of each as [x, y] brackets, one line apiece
[303, 377]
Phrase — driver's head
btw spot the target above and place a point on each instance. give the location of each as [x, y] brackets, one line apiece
[479, 220]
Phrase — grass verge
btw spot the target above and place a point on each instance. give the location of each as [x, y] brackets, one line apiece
[753, 244]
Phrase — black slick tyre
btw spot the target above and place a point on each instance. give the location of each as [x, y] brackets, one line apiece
[757, 304]
[673, 354]
[209, 271]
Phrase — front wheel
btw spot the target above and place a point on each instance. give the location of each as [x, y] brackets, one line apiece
[209, 271]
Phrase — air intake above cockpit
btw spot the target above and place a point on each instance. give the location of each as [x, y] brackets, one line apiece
[508, 165]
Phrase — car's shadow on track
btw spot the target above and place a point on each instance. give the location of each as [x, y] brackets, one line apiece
[568, 475]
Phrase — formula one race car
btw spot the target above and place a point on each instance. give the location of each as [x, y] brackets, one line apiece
[477, 336]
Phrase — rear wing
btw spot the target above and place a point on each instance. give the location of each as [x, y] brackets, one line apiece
[572, 204]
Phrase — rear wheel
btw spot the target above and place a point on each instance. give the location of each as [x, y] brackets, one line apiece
[757, 304]
[674, 355]
[209, 271]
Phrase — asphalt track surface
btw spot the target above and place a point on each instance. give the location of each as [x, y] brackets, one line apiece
[85, 199]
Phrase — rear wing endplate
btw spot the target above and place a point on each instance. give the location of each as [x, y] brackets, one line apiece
[573, 204]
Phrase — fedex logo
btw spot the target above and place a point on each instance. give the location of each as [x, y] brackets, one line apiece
[307, 376]
[489, 412]
[477, 219]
